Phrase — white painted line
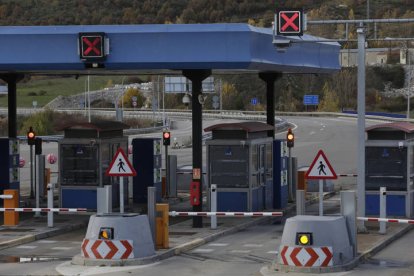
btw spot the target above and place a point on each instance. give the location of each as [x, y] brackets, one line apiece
[61, 248]
[273, 252]
[312, 132]
[240, 251]
[255, 245]
[26, 247]
[202, 250]
[46, 241]
[218, 244]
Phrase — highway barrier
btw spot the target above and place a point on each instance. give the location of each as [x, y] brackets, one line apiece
[226, 214]
[69, 210]
[405, 221]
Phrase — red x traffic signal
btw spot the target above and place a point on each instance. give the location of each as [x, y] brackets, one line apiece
[289, 21]
[92, 46]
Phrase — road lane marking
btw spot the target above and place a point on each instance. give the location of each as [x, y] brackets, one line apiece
[241, 251]
[46, 241]
[62, 248]
[203, 250]
[255, 245]
[272, 252]
[218, 244]
[26, 247]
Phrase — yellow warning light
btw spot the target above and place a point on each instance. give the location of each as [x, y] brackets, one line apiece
[106, 233]
[304, 238]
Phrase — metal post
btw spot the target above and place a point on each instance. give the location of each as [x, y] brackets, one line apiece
[348, 210]
[300, 202]
[361, 127]
[320, 197]
[151, 193]
[167, 182]
[50, 188]
[12, 105]
[121, 195]
[37, 185]
[383, 210]
[89, 101]
[290, 184]
[31, 172]
[213, 205]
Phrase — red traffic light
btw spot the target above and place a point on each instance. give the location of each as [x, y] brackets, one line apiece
[166, 135]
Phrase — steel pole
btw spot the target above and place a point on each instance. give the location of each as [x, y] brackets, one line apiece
[290, 184]
[89, 101]
[121, 195]
[361, 127]
[31, 172]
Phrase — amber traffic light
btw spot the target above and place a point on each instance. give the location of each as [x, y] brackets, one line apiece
[31, 137]
[290, 137]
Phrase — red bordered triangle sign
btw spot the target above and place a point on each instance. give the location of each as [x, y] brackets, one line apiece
[321, 168]
[120, 165]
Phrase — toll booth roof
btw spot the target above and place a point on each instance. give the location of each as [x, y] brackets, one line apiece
[94, 129]
[244, 130]
[391, 131]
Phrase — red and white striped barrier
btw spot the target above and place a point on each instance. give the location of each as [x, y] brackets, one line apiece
[306, 256]
[225, 214]
[72, 210]
[107, 249]
[406, 221]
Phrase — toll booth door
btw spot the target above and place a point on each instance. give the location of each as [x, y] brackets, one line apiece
[280, 187]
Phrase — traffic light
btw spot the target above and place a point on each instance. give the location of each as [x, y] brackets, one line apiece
[304, 239]
[38, 146]
[31, 136]
[106, 233]
[290, 137]
[166, 138]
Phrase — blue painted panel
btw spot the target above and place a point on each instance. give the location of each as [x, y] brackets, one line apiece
[214, 46]
[257, 199]
[269, 195]
[232, 201]
[144, 164]
[77, 198]
[280, 190]
[395, 205]
[7, 162]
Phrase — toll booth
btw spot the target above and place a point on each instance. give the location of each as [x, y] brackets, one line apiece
[85, 153]
[389, 163]
[9, 165]
[239, 162]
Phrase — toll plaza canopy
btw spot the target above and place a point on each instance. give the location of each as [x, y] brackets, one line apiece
[155, 48]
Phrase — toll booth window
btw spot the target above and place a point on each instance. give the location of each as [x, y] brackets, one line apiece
[386, 167]
[79, 165]
[229, 166]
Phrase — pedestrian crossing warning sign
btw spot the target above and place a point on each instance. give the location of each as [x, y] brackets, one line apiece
[120, 165]
[321, 168]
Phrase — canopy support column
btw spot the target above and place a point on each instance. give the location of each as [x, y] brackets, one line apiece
[11, 80]
[197, 77]
[270, 78]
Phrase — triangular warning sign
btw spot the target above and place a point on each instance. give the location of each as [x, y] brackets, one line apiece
[321, 168]
[120, 165]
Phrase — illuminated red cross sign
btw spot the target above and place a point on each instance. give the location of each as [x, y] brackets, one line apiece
[289, 22]
[92, 46]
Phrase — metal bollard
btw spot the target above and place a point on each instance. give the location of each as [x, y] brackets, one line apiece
[152, 191]
[383, 210]
[300, 202]
[213, 207]
[11, 200]
[50, 191]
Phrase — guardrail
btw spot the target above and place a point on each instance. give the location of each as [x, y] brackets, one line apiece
[225, 214]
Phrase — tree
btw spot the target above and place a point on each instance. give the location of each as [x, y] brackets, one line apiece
[133, 92]
[330, 102]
